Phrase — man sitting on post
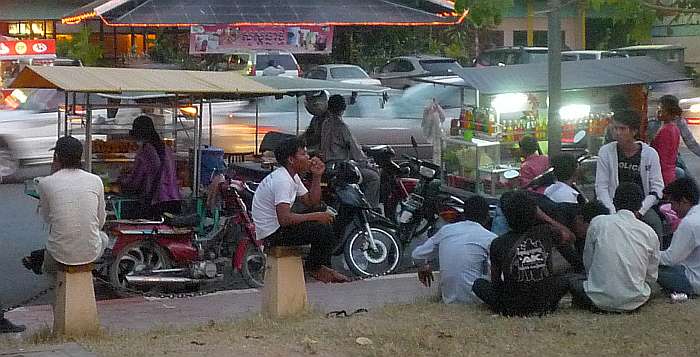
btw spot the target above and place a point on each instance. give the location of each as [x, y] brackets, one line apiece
[621, 257]
[680, 263]
[279, 226]
[463, 249]
[72, 203]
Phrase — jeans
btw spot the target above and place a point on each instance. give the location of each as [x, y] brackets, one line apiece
[579, 298]
[321, 237]
[534, 299]
[673, 279]
[652, 219]
[370, 185]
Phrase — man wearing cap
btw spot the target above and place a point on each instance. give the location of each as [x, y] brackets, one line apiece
[72, 204]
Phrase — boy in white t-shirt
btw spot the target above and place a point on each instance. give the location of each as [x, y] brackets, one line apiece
[279, 226]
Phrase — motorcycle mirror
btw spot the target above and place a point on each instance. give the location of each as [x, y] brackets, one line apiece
[580, 135]
[511, 174]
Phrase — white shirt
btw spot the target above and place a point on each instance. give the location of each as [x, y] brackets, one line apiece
[560, 192]
[278, 187]
[463, 249]
[607, 180]
[621, 256]
[685, 248]
[72, 203]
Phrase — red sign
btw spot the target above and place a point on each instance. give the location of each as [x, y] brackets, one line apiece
[10, 50]
[229, 38]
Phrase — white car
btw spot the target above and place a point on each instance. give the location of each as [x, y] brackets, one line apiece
[347, 73]
[589, 55]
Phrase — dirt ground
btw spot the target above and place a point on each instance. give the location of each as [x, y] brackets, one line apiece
[422, 329]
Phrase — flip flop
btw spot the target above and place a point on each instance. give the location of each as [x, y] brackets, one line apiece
[343, 313]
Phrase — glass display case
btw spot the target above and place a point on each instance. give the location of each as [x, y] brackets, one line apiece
[474, 164]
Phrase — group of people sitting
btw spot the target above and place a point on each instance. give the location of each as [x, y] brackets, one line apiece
[612, 244]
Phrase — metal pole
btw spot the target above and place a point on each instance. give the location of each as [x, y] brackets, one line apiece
[297, 115]
[211, 127]
[88, 134]
[257, 116]
[554, 91]
[174, 130]
[65, 118]
[197, 149]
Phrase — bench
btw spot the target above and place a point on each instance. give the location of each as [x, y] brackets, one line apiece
[284, 293]
[75, 309]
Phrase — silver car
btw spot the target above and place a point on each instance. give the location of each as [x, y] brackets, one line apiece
[347, 73]
[399, 72]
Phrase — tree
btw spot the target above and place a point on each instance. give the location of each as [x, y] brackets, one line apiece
[80, 48]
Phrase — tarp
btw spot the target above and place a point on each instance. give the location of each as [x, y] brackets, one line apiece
[609, 72]
[117, 80]
[304, 85]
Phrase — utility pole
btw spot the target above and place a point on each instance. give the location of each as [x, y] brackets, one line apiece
[554, 72]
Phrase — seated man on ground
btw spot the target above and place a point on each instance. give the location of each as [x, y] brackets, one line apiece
[279, 226]
[621, 257]
[564, 190]
[680, 263]
[522, 282]
[463, 250]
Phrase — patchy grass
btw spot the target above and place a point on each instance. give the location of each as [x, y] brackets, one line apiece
[422, 329]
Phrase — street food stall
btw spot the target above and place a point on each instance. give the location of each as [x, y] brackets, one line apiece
[178, 91]
[511, 102]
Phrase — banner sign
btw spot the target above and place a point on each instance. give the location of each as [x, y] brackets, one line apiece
[16, 49]
[230, 39]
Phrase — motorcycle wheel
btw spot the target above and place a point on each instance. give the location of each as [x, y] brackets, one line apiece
[364, 262]
[253, 268]
[135, 257]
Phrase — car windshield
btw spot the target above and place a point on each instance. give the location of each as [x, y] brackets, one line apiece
[285, 60]
[348, 73]
[537, 57]
[439, 66]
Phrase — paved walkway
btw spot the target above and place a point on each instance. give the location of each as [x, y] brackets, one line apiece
[65, 350]
[146, 313]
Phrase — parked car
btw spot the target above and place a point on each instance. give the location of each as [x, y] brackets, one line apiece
[511, 55]
[589, 55]
[668, 54]
[399, 72]
[258, 61]
[347, 73]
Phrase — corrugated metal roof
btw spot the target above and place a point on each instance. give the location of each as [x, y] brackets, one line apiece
[273, 12]
[14, 10]
[117, 80]
[602, 73]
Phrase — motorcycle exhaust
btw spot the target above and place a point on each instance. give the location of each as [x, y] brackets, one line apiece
[147, 279]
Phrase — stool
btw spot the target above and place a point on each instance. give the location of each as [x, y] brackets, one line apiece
[284, 293]
[75, 310]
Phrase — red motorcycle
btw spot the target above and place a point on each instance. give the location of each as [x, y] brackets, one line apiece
[187, 250]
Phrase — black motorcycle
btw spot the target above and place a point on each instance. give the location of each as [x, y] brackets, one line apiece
[369, 243]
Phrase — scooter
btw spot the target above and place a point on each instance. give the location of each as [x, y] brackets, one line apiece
[146, 253]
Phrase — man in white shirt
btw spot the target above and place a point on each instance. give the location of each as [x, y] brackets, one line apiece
[72, 203]
[563, 191]
[279, 226]
[621, 257]
[680, 270]
[463, 250]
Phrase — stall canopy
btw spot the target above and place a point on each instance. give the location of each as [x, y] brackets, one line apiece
[117, 80]
[602, 73]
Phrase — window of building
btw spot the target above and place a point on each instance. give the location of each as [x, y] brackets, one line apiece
[539, 38]
[31, 29]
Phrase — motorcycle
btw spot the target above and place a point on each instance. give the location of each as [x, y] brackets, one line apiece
[175, 252]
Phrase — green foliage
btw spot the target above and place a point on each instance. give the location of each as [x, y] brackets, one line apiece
[484, 13]
[80, 48]
[167, 49]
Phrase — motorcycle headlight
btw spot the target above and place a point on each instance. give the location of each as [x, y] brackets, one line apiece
[426, 172]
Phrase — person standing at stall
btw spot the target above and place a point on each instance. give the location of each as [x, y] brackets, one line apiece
[535, 163]
[668, 138]
[154, 176]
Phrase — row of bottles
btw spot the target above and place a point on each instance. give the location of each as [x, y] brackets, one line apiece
[477, 120]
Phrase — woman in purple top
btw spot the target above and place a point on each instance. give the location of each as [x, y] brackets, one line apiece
[154, 176]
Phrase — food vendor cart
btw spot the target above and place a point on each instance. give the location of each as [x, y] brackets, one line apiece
[172, 88]
[511, 102]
